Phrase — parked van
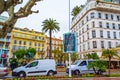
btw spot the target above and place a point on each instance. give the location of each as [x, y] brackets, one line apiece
[36, 68]
[80, 67]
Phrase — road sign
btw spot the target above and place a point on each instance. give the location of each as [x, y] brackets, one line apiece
[69, 42]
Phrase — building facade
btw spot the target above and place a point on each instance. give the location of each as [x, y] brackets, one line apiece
[97, 26]
[56, 44]
[25, 38]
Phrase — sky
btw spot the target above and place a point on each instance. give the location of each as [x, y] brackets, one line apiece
[56, 9]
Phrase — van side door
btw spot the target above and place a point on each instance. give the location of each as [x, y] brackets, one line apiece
[32, 69]
[83, 67]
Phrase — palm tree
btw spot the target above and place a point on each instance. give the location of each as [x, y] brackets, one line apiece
[51, 26]
[75, 11]
[109, 53]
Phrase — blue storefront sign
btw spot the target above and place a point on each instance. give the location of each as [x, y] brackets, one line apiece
[69, 42]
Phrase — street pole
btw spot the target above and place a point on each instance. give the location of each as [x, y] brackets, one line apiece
[70, 65]
[69, 52]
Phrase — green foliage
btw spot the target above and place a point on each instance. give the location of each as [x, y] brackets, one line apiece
[74, 57]
[97, 65]
[75, 10]
[92, 56]
[31, 52]
[20, 53]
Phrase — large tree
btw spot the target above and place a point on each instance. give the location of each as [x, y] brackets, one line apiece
[109, 53]
[52, 26]
[9, 7]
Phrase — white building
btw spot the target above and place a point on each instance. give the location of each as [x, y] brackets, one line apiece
[97, 26]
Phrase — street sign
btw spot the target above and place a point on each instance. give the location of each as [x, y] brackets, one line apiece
[69, 42]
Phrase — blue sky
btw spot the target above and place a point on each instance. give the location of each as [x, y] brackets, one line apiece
[56, 9]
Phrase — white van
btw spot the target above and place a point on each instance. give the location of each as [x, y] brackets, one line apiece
[36, 68]
[80, 67]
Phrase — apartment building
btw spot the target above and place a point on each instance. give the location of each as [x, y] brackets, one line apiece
[97, 26]
[25, 38]
[56, 44]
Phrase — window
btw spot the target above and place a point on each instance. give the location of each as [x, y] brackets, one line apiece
[111, 16]
[118, 18]
[114, 34]
[94, 44]
[87, 35]
[119, 26]
[102, 44]
[87, 18]
[24, 42]
[101, 34]
[83, 47]
[15, 41]
[35, 44]
[20, 42]
[106, 16]
[83, 63]
[88, 45]
[80, 48]
[108, 34]
[109, 44]
[113, 24]
[93, 34]
[83, 38]
[93, 24]
[92, 15]
[33, 64]
[99, 15]
[82, 22]
[87, 27]
[100, 24]
[30, 43]
[107, 24]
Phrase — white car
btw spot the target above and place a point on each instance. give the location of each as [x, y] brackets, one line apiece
[36, 68]
[3, 70]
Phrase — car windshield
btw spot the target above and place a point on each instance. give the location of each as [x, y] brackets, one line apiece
[76, 62]
[1, 65]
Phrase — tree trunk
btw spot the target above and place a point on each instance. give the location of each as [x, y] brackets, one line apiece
[109, 65]
[50, 44]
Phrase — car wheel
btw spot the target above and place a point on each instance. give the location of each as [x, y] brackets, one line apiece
[22, 74]
[50, 73]
[77, 72]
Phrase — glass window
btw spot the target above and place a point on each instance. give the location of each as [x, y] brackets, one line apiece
[24, 42]
[101, 34]
[108, 34]
[119, 26]
[88, 35]
[111, 16]
[107, 24]
[114, 34]
[93, 24]
[100, 24]
[99, 15]
[87, 18]
[118, 18]
[109, 44]
[94, 44]
[33, 64]
[106, 16]
[102, 44]
[93, 34]
[88, 45]
[15, 41]
[20, 42]
[113, 24]
[92, 15]
[83, 63]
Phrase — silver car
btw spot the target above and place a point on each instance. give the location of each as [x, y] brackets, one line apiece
[3, 70]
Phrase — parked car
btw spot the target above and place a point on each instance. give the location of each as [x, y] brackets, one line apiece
[80, 67]
[36, 68]
[3, 70]
[60, 65]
